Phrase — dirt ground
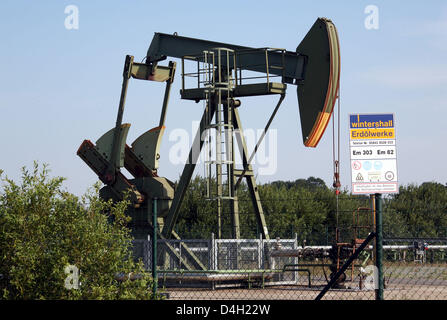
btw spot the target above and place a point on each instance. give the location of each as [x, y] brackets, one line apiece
[401, 292]
[403, 281]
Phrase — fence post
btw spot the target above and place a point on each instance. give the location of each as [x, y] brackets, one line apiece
[215, 253]
[154, 247]
[379, 245]
[212, 253]
[146, 259]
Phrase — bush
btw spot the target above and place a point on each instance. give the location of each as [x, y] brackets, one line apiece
[43, 229]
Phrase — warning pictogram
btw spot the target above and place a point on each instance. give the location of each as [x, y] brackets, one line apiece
[356, 165]
[389, 175]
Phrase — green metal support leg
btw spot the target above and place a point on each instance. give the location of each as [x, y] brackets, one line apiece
[187, 173]
[248, 173]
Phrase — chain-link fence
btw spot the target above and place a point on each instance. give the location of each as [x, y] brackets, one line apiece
[310, 241]
[224, 269]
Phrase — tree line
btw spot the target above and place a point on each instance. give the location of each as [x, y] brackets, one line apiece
[311, 210]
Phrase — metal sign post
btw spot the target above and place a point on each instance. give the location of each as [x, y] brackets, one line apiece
[379, 246]
[374, 171]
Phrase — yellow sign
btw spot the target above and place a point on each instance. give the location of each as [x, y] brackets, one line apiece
[372, 134]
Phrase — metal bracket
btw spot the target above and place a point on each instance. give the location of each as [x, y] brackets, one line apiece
[147, 147]
[104, 145]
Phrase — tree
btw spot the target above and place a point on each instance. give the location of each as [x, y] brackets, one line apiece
[309, 183]
[43, 228]
[418, 211]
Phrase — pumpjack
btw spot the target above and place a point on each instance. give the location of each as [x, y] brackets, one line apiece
[225, 73]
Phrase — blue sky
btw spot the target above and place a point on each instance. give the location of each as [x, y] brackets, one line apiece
[59, 86]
